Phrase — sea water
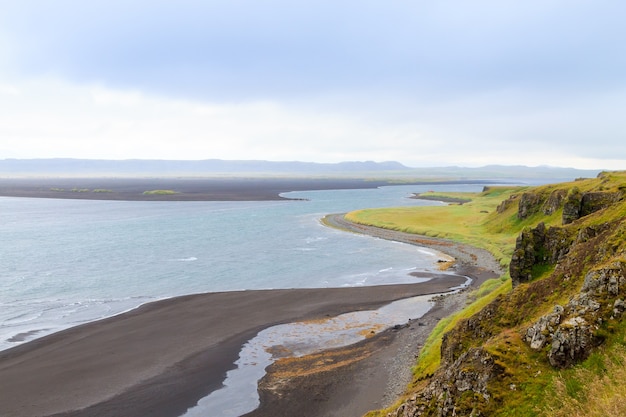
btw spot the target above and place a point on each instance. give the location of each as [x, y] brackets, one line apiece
[67, 262]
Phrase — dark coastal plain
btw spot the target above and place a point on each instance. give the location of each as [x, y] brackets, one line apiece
[160, 359]
[183, 189]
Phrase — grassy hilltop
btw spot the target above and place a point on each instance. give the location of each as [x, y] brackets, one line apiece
[549, 338]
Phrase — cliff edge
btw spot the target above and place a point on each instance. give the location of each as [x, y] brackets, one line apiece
[522, 354]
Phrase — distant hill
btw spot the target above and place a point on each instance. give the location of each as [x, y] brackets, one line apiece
[60, 167]
[206, 167]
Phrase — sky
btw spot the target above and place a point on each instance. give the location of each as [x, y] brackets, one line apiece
[422, 82]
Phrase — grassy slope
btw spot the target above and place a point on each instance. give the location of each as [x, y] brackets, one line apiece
[538, 388]
[476, 222]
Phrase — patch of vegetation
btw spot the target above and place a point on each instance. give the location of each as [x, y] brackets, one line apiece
[160, 192]
[452, 198]
[80, 190]
[430, 355]
[594, 388]
[102, 190]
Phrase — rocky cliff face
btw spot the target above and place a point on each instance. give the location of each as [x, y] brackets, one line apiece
[571, 332]
[569, 290]
[538, 246]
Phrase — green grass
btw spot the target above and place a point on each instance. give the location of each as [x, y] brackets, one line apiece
[470, 223]
[160, 192]
[430, 355]
[595, 387]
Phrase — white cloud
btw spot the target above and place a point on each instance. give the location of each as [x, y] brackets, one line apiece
[56, 119]
[48, 117]
[9, 90]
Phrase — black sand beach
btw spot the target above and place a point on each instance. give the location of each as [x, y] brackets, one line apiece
[159, 359]
[184, 189]
[215, 188]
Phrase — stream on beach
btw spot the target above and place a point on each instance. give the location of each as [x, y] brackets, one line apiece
[239, 394]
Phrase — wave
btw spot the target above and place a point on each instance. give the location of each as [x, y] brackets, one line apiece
[190, 259]
[313, 239]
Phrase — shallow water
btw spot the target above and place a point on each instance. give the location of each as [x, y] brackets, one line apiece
[239, 395]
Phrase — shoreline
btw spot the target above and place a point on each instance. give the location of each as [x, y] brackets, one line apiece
[375, 372]
[162, 357]
[190, 188]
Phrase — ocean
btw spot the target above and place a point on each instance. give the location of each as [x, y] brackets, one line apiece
[67, 262]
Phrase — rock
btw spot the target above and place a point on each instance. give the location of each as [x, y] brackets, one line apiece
[571, 343]
[504, 205]
[540, 333]
[587, 233]
[567, 328]
[579, 204]
[537, 246]
[592, 202]
[528, 205]
[610, 280]
[554, 202]
[471, 372]
[571, 206]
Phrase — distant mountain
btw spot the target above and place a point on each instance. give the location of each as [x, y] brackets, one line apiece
[505, 171]
[194, 168]
[219, 167]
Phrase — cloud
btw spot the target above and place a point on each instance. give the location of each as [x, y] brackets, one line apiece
[97, 122]
[255, 49]
[447, 82]
[52, 118]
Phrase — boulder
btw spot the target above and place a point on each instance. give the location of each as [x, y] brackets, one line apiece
[572, 342]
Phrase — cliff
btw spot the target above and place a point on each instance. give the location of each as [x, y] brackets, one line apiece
[562, 313]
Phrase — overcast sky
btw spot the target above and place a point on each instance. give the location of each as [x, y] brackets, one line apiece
[423, 82]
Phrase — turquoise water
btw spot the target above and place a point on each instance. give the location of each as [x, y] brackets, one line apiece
[66, 262]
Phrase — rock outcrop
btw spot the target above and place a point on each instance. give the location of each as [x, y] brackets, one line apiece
[575, 203]
[528, 205]
[537, 246]
[572, 331]
[579, 204]
[467, 377]
[554, 202]
[571, 206]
